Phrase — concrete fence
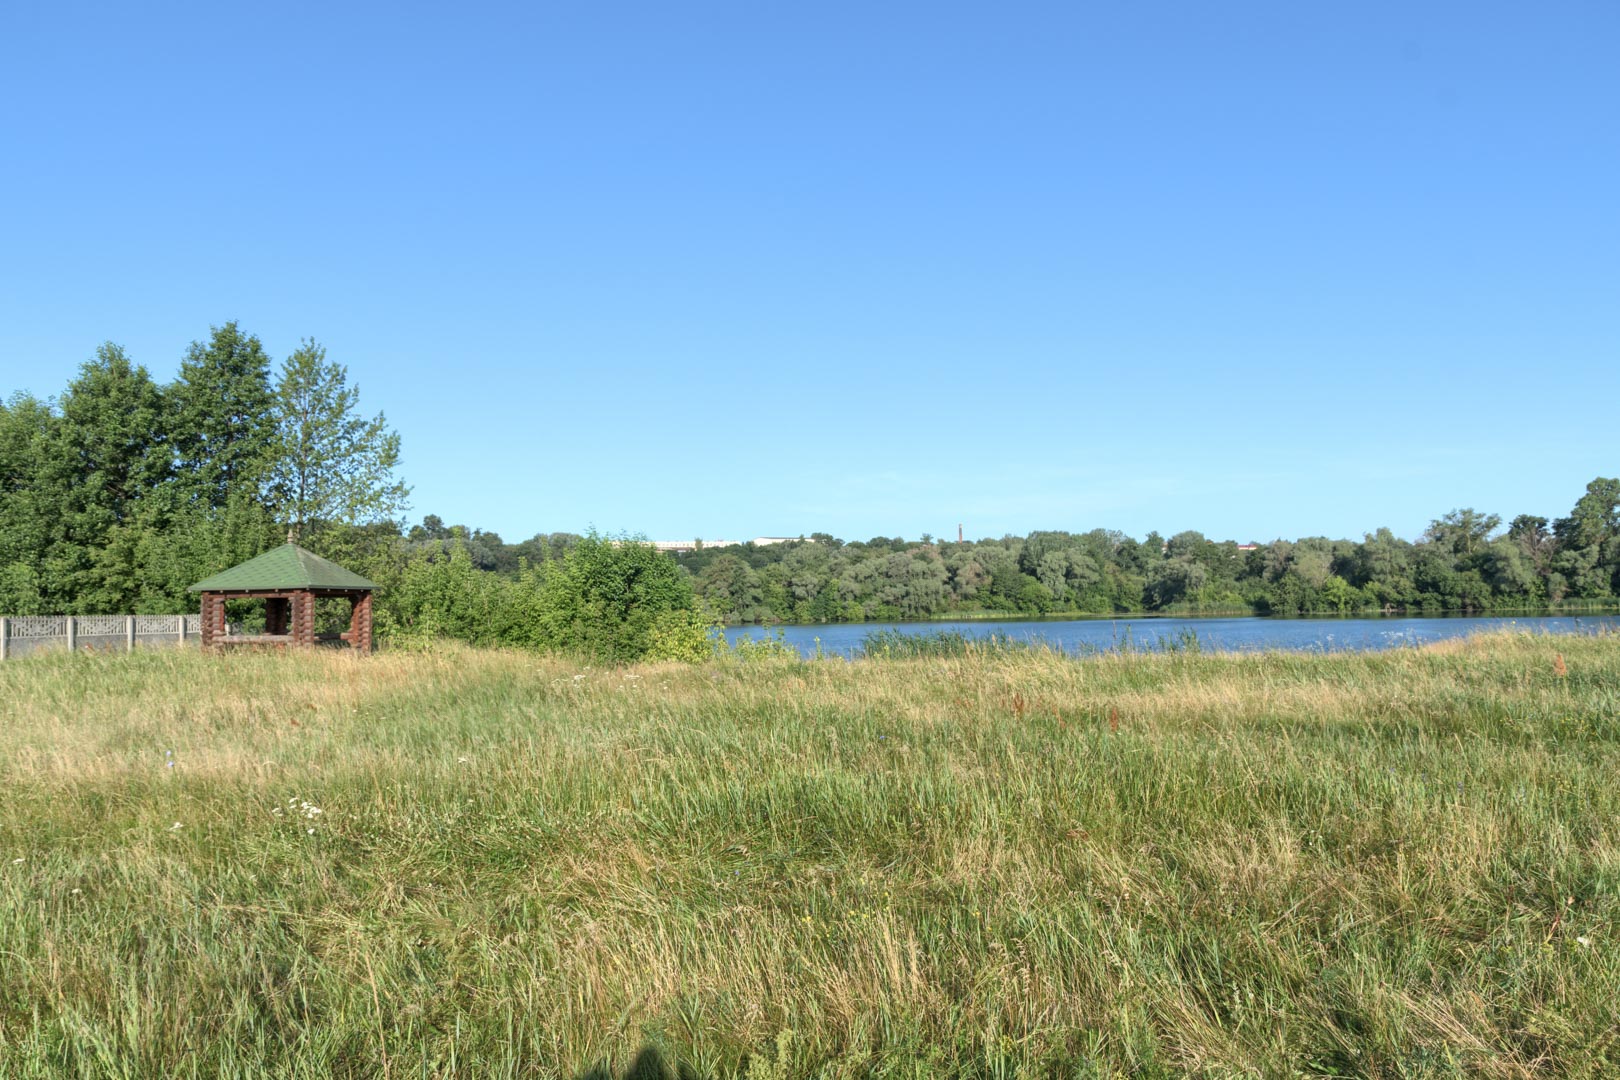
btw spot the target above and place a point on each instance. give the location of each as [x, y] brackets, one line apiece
[22, 635]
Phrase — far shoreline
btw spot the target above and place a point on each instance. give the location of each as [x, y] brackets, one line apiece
[1545, 611]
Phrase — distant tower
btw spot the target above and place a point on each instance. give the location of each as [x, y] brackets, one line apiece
[958, 533]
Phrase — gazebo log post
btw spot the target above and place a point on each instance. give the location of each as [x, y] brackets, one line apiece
[213, 619]
[359, 632]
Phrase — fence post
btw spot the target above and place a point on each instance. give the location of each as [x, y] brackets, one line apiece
[5, 637]
[129, 633]
[73, 634]
[182, 634]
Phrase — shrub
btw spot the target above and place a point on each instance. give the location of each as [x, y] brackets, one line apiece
[607, 596]
[687, 636]
[443, 597]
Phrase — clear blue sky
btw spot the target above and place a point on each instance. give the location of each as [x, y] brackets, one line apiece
[730, 270]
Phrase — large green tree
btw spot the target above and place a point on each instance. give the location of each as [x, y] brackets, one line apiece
[110, 453]
[220, 416]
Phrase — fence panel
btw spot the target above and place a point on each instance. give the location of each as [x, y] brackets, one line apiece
[38, 626]
[101, 625]
[102, 633]
[27, 635]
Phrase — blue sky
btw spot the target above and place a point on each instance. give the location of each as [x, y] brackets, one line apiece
[737, 269]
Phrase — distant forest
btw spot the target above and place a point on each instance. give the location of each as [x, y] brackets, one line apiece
[120, 492]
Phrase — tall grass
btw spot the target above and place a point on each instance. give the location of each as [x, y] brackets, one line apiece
[896, 644]
[979, 863]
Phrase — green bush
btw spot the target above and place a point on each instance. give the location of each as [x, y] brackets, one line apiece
[446, 597]
[607, 597]
[687, 636]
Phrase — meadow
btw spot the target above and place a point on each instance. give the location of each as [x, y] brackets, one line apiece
[981, 863]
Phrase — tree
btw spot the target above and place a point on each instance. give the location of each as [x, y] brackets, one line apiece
[1053, 572]
[1581, 572]
[110, 451]
[1339, 595]
[327, 463]
[1463, 532]
[1509, 569]
[30, 507]
[732, 587]
[220, 414]
[1311, 559]
[966, 575]
[903, 584]
[1173, 580]
[432, 528]
[1384, 567]
[542, 548]
[1596, 516]
[1037, 546]
[1528, 531]
[147, 562]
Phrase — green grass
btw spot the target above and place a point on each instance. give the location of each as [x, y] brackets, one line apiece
[981, 863]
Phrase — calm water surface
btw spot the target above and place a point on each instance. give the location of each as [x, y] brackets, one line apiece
[1247, 633]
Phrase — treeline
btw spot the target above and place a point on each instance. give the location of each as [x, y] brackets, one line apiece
[121, 492]
[1465, 562]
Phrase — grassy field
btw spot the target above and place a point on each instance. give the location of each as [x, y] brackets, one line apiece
[488, 864]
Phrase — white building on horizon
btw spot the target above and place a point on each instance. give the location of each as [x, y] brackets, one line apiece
[677, 546]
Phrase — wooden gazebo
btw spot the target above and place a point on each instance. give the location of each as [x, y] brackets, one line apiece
[289, 580]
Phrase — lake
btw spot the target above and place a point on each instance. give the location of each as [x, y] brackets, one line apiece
[1081, 636]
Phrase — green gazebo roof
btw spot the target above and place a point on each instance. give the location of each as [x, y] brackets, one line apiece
[286, 567]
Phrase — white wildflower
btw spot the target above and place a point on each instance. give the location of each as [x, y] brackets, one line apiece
[1584, 942]
[176, 827]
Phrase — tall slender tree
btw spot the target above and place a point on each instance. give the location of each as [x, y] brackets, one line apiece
[329, 465]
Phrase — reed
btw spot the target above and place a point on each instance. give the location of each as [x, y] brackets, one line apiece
[970, 862]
